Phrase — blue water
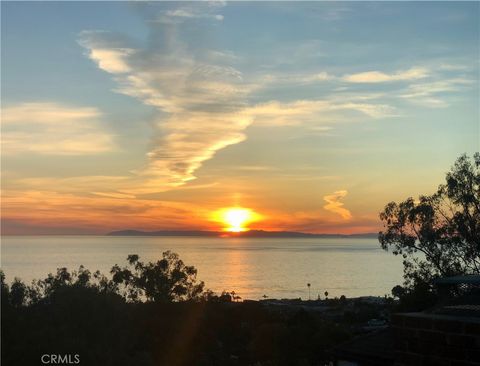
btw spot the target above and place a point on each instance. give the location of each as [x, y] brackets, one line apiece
[278, 268]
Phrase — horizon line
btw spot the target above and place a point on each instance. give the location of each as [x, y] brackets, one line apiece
[226, 233]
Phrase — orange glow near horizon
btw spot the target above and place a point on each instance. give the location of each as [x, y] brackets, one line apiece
[236, 219]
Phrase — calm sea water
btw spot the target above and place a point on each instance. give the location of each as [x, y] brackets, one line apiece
[278, 268]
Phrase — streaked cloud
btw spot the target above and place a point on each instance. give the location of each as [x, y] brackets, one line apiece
[204, 103]
[280, 116]
[95, 213]
[53, 129]
[207, 10]
[199, 99]
[191, 13]
[320, 76]
[413, 73]
[453, 67]
[431, 94]
[305, 111]
[111, 185]
[334, 205]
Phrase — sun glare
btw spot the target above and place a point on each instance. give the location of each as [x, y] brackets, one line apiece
[236, 219]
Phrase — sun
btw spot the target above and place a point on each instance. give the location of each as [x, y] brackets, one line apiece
[236, 219]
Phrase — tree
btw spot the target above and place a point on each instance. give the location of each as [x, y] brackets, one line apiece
[4, 286]
[43, 290]
[210, 296]
[18, 293]
[438, 235]
[166, 280]
[15, 295]
[398, 291]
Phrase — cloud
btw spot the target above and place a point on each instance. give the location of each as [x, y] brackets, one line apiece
[283, 78]
[334, 205]
[111, 60]
[183, 13]
[53, 129]
[304, 111]
[427, 93]
[92, 212]
[203, 102]
[200, 99]
[111, 185]
[314, 221]
[453, 67]
[413, 73]
[321, 76]
[190, 13]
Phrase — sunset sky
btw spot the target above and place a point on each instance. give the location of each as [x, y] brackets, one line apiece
[156, 116]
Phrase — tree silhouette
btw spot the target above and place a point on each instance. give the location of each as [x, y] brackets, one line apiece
[166, 280]
[444, 227]
[43, 290]
[398, 291]
[18, 293]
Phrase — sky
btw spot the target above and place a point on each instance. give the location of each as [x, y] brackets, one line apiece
[156, 116]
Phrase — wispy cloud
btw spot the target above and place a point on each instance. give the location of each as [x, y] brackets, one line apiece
[191, 13]
[185, 12]
[200, 99]
[203, 101]
[413, 73]
[453, 67]
[429, 93]
[334, 205]
[320, 76]
[96, 213]
[304, 111]
[77, 184]
[54, 129]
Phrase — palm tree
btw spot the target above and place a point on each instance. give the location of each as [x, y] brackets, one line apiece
[308, 284]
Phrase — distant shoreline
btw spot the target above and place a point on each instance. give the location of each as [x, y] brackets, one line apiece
[243, 234]
[201, 233]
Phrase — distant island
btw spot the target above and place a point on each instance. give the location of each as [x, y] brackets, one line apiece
[242, 234]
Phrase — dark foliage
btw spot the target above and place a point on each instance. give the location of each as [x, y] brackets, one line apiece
[437, 235]
[166, 280]
[160, 324]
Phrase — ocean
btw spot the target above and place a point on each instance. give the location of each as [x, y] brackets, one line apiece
[252, 267]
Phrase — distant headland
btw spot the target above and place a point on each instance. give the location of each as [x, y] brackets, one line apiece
[242, 234]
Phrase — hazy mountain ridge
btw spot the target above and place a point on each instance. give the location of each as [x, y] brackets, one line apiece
[244, 234]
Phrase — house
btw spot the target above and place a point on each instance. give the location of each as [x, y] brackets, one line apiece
[446, 335]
